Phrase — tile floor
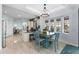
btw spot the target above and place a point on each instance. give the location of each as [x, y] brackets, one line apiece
[16, 45]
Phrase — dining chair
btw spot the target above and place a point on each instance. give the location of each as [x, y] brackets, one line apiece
[54, 39]
[40, 41]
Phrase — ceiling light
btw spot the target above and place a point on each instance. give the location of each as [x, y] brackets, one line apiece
[44, 13]
[5, 12]
[19, 15]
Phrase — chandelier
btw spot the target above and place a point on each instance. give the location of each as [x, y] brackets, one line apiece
[44, 13]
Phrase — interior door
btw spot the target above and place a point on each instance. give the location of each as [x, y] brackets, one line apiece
[3, 34]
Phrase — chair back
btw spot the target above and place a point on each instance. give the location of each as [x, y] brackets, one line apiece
[52, 36]
[36, 35]
[57, 36]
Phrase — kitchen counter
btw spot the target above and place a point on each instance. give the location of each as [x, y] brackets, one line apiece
[25, 36]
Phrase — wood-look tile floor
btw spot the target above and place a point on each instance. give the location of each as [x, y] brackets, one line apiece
[16, 45]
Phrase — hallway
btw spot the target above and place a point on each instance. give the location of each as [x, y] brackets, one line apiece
[15, 44]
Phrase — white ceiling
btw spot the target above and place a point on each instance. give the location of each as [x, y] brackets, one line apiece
[20, 11]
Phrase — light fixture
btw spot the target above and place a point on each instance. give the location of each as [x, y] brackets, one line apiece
[5, 11]
[19, 16]
[44, 13]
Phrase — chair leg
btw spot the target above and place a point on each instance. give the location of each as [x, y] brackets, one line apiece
[46, 44]
[38, 45]
[55, 46]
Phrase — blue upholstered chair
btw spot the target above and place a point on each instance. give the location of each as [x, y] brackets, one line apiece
[39, 40]
[54, 39]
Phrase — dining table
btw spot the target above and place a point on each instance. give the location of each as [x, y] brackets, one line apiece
[47, 36]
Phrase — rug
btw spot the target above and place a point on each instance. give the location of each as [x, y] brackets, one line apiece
[69, 49]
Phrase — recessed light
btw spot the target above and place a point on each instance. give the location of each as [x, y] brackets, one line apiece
[19, 15]
[5, 11]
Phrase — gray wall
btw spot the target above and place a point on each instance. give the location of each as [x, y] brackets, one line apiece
[78, 27]
[0, 26]
[72, 37]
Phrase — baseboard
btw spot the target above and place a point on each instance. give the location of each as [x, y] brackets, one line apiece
[69, 43]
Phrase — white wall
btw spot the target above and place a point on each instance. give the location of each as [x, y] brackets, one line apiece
[0, 26]
[19, 22]
[9, 25]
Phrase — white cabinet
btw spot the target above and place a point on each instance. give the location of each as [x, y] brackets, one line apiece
[25, 36]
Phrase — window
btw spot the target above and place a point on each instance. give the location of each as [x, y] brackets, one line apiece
[66, 24]
[58, 25]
